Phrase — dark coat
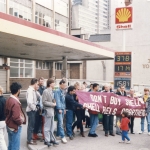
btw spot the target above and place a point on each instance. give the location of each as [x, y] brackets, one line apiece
[2, 108]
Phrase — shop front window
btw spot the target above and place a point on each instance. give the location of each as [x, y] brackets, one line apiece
[20, 68]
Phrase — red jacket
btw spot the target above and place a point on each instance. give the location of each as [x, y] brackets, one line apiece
[13, 112]
[125, 124]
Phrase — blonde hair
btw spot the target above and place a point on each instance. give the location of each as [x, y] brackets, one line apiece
[1, 90]
[76, 84]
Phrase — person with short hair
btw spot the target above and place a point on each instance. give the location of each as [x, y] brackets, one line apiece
[15, 117]
[85, 84]
[49, 104]
[71, 104]
[59, 96]
[146, 98]
[41, 85]
[31, 109]
[124, 127]
[108, 118]
[80, 114]
[120, 92]
[93, 115]
[2, 121]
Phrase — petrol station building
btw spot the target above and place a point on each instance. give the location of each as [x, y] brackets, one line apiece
[37, 43]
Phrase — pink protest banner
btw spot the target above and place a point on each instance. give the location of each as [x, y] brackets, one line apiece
[110, 103]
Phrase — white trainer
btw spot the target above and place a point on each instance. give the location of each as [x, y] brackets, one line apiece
[149, 133]
[122, 142]
[141, 132]
[64, 140]
[128, 142]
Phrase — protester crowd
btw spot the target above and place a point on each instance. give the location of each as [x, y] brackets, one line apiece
[46, 104]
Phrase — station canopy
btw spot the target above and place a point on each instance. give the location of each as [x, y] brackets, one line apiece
[23, 39]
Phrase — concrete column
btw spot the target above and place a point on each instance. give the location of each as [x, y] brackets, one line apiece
[7, 6]
[65, 69]
[33, 11]
[53, 69]
[81, 71]
[53, 9]
[104, 70]
[8, 77]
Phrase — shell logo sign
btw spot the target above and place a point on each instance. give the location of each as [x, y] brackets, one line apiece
[123, 18]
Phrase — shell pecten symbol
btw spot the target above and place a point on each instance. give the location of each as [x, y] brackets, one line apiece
[123, 15]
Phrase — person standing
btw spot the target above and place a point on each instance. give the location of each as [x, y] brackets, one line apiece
[2, 121]
[93, 116]
[145, 98]
[120, 92]
[124, 127]
[41, 85]
[59, 96]
[79, 112]
[31, 109]
[15, 117]
[108, 119]
[49, 103]
[148, 114]
[71, 104]
[38, 116]
[131, 118]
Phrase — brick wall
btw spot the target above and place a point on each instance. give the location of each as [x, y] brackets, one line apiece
[58, 74]
[43, 73]
[25, 82]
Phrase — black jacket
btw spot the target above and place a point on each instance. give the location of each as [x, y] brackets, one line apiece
[71, 104]
[119, 93]
[2, 108]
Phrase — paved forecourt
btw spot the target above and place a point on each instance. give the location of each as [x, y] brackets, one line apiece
[138, 142]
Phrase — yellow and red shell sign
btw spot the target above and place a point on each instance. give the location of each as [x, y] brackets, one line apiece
[124, 15]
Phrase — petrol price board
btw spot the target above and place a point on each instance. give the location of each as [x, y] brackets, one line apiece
[122, 69]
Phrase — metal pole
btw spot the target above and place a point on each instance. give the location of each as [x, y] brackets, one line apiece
[124, 40]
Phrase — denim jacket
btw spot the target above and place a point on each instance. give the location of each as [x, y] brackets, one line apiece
[59, 96]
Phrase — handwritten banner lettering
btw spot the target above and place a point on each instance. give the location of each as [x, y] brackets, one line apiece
[110, 103]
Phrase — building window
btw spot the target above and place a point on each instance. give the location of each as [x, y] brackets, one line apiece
[43, 65]
[61, 26]
[58, 66]
[20, 68]
[3, 6]
[61, 7]
[20, 11]
[43, 16]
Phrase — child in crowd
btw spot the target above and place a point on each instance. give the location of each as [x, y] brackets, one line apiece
[125, 128]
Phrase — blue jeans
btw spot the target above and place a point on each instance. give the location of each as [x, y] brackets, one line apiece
[94, 122]
[60, 129]
[69, 121]
[142, 123]
[148, 122]
[125, 135]
[14, 139]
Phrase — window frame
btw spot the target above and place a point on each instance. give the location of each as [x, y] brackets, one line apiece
[19, 67]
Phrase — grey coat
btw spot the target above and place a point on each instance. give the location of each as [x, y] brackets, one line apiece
[48, 104]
